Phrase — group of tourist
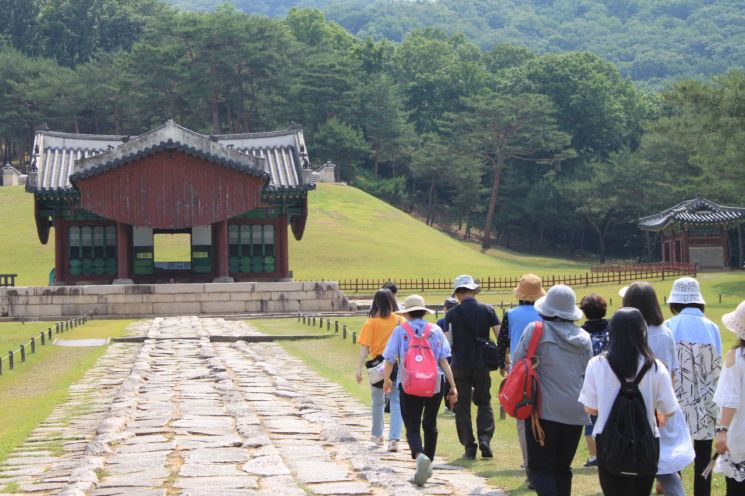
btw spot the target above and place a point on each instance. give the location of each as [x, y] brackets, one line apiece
[592, 379]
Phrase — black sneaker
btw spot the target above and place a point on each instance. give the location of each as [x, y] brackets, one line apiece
[470, 454]
[591, 463]
[486, 451]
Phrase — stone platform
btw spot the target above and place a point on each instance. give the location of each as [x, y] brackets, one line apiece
[181, 415]
[151, 300]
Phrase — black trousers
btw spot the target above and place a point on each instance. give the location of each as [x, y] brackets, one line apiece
[550, 465]
[420, 414]
[473, 385]
[735, 488]
[701, 485]
[615, 485]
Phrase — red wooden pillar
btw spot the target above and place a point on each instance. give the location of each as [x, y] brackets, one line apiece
[60, 247]
[685, 257]
[122, 251]
[282, 245]
[220, 243]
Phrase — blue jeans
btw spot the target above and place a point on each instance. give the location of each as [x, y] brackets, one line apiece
[378, 413]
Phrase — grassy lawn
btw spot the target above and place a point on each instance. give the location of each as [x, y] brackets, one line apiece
[30, 392]
[335, 359]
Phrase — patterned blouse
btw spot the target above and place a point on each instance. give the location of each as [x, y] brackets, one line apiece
[699, 348]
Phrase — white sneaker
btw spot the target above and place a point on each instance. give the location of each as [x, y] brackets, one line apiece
[378, 440]
[393, 445]
[423, 469]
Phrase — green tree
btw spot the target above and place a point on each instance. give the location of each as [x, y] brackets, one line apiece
[340, 143]
[498, 130]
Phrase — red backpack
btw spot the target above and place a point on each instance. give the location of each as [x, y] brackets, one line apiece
[519, 393]
[420, 376]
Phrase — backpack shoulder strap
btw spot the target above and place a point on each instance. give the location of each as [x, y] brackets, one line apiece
[426, 331]
[535, 339]
[642, 372]
[408, 329]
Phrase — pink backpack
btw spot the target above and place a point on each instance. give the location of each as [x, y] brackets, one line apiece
[420, 376]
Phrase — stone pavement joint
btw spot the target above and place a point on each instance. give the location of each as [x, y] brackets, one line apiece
[181, 415]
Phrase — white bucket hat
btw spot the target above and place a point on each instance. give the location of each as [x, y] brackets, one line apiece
[735, 321]
[561, 302]
[413, 303]
[465, 281]
[686, 290]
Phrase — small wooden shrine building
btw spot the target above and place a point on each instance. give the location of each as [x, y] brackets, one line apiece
[107, 196]
[697, 232]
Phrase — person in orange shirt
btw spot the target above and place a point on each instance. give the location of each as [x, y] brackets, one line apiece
[373, 337]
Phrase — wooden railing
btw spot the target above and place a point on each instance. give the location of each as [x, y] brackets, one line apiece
[7, 280]
[601, 275]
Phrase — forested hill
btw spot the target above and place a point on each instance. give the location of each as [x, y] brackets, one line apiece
[649, 40]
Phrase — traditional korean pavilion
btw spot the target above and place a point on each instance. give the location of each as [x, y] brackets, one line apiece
[108, 196]
[696, 231]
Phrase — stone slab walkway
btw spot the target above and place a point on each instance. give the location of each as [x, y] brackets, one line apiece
[180, 415]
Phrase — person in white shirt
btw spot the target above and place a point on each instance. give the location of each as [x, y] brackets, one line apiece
[730, 396]
[627, 353]
[676, 447]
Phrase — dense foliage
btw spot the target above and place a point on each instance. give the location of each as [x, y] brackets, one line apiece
[554, 152]
[648, 40]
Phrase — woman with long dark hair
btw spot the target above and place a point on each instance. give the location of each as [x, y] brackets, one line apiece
[628, 356]
[374, 336]
[676, 447]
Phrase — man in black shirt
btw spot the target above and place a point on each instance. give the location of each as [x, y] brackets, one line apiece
[465, 322]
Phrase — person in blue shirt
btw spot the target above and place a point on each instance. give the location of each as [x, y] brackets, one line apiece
[528, 290]
[419, 413]
[699, 348]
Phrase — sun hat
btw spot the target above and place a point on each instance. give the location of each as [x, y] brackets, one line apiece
[735, 321]
[449, 303]
[465, 281]
[529, 288]
[622, 291]
[561, 302]
[686, 290]
[413, 303]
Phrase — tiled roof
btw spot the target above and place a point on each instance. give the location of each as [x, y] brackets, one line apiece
[696, 211]
[58, 157]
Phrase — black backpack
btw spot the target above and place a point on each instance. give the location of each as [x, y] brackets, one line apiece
[627, 446]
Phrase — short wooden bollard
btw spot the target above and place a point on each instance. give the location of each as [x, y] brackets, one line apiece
[56, 328]
[437, 314]
[344, 332]
[41, 336]
[298, 317]
[303, 319]
[354, 337]
[328, 324]
[320, 323]
[50, 333]
[33, 345]
[314, 321]
[11, 363]
[23, 353]
[336, 327]
[1, 365]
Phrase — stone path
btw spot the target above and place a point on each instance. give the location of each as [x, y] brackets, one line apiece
[180, 415]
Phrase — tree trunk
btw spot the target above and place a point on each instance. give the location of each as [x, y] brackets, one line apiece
[739, 246]
[492, 202]
[649, 246]
[601, 236]
[430, 196]
[540, 237]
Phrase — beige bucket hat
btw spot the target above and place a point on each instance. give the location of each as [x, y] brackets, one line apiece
[735, 321]
[529, 288]
[413, 303]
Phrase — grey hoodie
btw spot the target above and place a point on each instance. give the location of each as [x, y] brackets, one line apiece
[563, 354]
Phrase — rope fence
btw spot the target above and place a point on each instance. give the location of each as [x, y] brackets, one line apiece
[9, 359]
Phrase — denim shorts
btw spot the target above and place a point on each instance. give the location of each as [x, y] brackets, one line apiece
[590, 427]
